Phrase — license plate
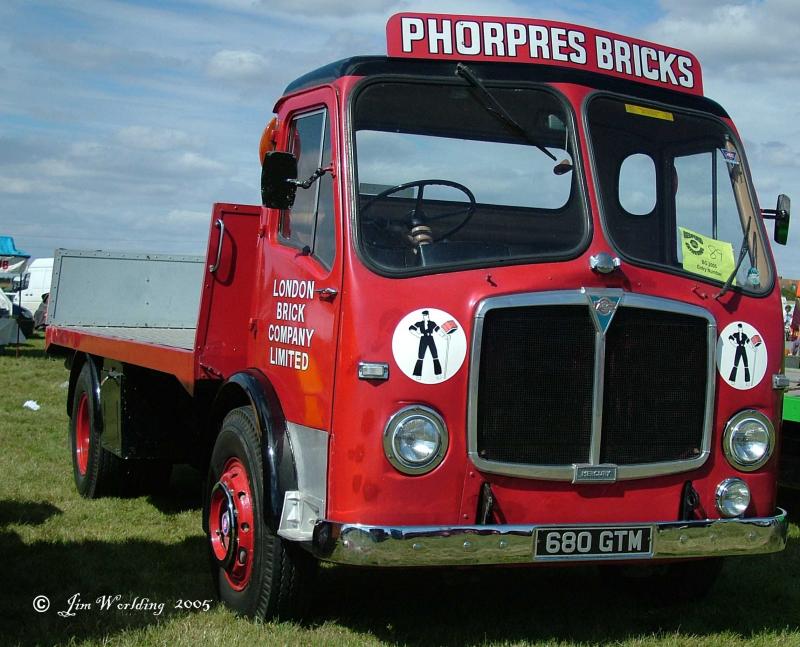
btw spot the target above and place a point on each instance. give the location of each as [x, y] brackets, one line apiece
[584, 543]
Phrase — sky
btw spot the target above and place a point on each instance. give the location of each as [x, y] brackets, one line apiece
[121, 123]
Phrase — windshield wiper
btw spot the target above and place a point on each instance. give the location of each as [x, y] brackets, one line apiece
[493, 106]
[742, 254]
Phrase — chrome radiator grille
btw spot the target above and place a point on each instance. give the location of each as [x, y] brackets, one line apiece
[568, 379]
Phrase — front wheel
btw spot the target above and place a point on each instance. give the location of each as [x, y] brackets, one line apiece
[256, 573]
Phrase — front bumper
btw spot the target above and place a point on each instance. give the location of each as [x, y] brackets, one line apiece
[514, 544]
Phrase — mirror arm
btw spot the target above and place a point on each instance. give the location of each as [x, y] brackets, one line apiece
[774, 214]
[314, 177]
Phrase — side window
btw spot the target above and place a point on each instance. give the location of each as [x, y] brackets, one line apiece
[310, 222]
[325, 233]
[637, 184]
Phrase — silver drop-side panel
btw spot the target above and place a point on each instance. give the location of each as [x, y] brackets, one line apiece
[117, 289]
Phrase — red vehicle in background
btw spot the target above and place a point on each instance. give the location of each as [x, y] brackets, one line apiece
[509, 300]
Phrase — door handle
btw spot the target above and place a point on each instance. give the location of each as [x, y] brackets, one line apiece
[327, 294]
[221, 226]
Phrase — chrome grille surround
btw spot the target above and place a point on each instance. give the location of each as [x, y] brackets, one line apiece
[590, 298]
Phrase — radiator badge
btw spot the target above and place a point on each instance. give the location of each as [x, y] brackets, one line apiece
[741, 355]
[605, 473]
[603, 307]
[429, 345]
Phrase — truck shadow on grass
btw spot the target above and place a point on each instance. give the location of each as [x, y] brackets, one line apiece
[752, 596]
[25, 352]
[409, 607]
[28, 513]
[185, 492]
[31, 349]
[138, 571]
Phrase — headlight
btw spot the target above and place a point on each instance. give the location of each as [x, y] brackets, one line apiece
[748, 440]
[733, 497]
[415, 439]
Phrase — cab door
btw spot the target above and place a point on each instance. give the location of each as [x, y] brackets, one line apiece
[303, 267]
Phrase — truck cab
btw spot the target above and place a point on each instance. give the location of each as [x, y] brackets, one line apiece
[509, 299]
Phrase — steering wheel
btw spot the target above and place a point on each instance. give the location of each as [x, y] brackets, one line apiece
[417, 216]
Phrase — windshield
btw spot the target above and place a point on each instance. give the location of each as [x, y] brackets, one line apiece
[443, 182]
[675, 193]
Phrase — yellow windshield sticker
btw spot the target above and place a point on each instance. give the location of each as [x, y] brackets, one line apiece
[649, 112]
[706, 256]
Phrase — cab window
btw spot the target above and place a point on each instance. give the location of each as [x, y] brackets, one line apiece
[309, 224]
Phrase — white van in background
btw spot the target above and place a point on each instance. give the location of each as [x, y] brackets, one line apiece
[41, 273]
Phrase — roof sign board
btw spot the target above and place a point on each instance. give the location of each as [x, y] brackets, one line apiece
[531, 41]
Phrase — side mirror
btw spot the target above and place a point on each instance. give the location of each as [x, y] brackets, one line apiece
[780, 214]
[277, 171]
[781, 233]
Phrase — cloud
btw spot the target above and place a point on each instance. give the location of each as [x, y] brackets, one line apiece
[96, 56]
[16, 185]
[153, 139]
[187, 217]
[305, 8]
[737, 38]
[237, 65]
[194, 162]
[779, 155]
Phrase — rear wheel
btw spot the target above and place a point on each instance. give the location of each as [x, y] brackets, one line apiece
[256, 573]
[96, 471]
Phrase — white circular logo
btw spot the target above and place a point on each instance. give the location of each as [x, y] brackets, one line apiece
[741, 355]
[429, 345]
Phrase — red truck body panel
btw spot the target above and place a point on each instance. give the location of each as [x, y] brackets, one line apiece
[224, 331]
[179, 362]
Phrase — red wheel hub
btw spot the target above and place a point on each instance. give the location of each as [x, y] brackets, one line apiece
[230, 524]
[83, 432]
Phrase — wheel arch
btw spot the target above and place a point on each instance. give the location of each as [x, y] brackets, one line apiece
[252, 388]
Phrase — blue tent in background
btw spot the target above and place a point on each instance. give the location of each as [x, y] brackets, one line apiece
[7, 248]
[12, 260]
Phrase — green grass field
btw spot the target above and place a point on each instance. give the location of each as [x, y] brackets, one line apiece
[56, 544]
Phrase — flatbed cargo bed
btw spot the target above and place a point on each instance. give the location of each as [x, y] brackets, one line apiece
[135, 308]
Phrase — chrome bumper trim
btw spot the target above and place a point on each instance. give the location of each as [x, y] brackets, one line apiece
[362, 545]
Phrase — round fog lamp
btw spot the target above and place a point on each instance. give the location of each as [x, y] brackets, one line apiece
[748, 440]
[733, 497]
[415, 440]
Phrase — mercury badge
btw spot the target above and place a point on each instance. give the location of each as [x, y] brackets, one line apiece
[585, 473]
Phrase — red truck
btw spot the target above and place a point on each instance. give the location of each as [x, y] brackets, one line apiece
[509, 299]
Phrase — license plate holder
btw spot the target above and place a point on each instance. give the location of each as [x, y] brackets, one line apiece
[601, 542]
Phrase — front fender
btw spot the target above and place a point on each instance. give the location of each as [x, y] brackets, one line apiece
[251, 387]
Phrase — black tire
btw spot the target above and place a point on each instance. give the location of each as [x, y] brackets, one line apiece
[96, 471]
[671, 583]
[281, 575]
